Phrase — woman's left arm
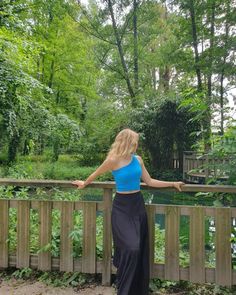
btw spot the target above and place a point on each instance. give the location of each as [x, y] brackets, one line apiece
[158, 183]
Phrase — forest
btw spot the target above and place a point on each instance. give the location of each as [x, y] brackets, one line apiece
[72, 74]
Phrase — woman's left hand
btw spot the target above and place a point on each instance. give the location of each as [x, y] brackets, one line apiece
[79, 183]
[178, 185]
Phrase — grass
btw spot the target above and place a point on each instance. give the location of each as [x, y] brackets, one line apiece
[66, 168]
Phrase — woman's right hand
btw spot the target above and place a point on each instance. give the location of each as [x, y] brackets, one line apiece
[79, 183]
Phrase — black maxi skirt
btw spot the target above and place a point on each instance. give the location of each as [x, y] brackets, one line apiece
[131, 244]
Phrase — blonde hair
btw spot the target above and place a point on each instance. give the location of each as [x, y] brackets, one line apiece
[125, 143]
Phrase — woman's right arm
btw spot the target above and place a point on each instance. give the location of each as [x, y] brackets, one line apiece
[107, 165]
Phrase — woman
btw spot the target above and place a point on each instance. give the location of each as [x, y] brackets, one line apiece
[128, 216]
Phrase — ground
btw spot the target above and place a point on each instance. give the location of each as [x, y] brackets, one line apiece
[21, 287]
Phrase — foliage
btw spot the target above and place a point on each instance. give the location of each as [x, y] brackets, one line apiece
[41, 167]
[164, 131]
[53, 278]
[225, 148]
[42, 76]
[72, 76]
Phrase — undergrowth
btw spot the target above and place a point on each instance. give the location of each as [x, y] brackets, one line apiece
[79, 281]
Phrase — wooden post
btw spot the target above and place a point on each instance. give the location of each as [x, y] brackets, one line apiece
[197, 245]
[223, 247]
[23, 223]
[107, 237]
[151, 230]
[45, 232]
[4, 224]
[66, 243]
[89, 238]
[184, 166]
[172, 243]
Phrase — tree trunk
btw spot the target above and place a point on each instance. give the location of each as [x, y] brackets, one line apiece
[83, 102]
[13, 144]
[195, 44]
[164, 79]
[38, 68]
[206, 122]
[207, 144]
[25, 150]
[56, 150]
[58, 96]
[51, 71]
[42, 71]
[164, 72]
[135, 32]
[223, 73]
[121, 53]
[154, 79]
[212, 36]
[222, 102]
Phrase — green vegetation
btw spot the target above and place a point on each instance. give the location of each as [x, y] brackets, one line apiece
[79, 281]
[65, 168]
[73, 75]
[76, 234]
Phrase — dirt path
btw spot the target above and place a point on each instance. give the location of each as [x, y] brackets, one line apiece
[20, 287]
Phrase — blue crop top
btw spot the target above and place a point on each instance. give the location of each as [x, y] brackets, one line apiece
[127, 178]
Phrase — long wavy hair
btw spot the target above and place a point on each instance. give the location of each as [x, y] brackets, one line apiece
[125, 143]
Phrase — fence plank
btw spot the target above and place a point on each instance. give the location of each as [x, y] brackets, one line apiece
[172, 243]
[89, 238]
[197, 245]
[23, 223]
[223, 247]
[107, 237]
[4, 224]
[222, 275]
[45, 230]
[66, 249]
[151, 229]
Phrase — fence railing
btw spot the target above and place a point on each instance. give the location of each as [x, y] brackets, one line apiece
[197, 165]
[222, 274]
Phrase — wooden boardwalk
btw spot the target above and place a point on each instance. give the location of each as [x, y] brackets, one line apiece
[222, 274]
[199, 167]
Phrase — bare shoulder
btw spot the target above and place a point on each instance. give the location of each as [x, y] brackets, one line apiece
[111, 161]
[140, 159]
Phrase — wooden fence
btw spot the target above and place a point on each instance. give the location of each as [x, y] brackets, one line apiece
[222, 274]
[198, 167]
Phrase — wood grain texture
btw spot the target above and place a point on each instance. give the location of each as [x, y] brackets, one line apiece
[4, 227]
[107, 237]
[197, 245]
[45, 232]
[89, 238]
[223, 247]
[23, 237]
[172, 243]
[66, 243]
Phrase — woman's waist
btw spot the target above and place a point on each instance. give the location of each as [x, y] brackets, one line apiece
[129, 203]
[128, 187]
[128, 193]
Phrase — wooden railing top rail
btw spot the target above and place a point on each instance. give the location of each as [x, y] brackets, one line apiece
[111, 185]
[202, 152]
